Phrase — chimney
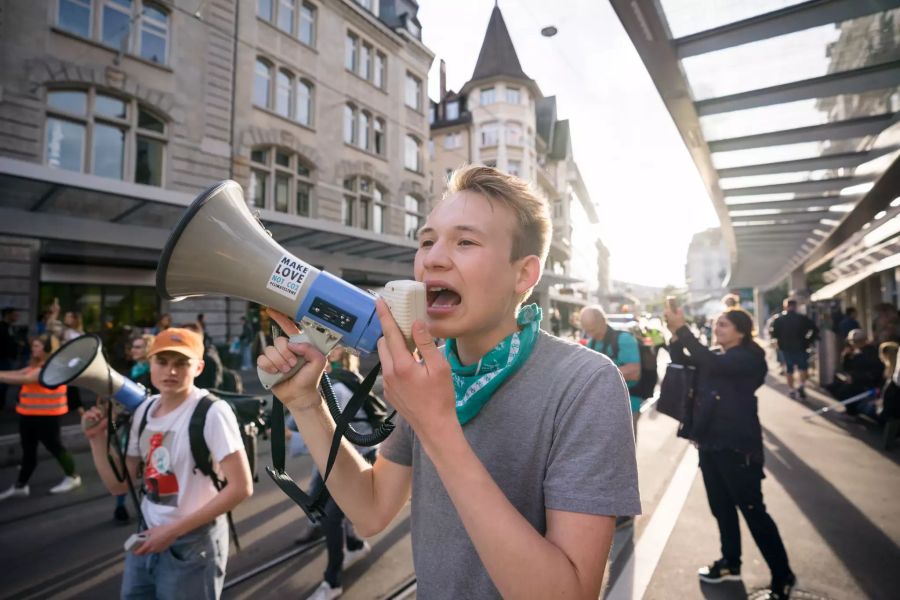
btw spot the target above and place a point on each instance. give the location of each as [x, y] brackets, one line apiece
[443, 81]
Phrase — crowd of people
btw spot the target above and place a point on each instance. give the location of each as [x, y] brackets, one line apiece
[516, 447]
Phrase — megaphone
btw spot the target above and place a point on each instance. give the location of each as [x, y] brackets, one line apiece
[219, 248]
[80, 362]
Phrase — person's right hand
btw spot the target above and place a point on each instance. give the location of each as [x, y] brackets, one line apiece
[302, 389]
[93, 423]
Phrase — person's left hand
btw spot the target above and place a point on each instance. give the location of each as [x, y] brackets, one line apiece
[420, 391]
[158, 539]
[674, 320]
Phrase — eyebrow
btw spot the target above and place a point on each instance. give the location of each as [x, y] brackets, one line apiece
[468, 228]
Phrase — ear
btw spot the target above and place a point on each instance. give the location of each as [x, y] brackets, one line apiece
[199, 369]
[529, 273]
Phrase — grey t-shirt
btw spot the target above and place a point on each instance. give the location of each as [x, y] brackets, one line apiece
[556, 435]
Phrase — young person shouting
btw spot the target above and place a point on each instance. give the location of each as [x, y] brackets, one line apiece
[516, 447]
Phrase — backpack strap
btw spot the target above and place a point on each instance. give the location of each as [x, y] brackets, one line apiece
[203, 458]
[611, 343]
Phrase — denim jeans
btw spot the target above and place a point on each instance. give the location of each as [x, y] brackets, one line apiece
[192, 567]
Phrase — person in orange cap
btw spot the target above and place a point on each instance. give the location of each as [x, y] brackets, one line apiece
[185, 549]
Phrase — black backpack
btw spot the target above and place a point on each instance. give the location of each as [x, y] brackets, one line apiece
[646, 385]
[248, 411]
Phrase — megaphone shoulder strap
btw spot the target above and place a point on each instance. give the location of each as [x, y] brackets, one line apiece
[122, 451]
[314, 506]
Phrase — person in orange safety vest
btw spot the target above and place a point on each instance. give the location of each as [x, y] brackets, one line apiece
[39, 411]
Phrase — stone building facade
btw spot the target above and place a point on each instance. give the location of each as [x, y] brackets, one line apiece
[115, 114]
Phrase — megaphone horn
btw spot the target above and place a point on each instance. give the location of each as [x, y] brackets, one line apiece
[80, 362]
[220, 248]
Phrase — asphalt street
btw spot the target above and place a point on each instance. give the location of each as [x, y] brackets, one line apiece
[829, 487]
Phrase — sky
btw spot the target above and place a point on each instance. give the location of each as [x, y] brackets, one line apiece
[638, 172]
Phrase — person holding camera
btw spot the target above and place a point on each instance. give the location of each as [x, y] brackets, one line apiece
[727, 431]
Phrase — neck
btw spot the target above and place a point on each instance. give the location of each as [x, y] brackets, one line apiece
[172, 400]
[471, 348]
[730, 345]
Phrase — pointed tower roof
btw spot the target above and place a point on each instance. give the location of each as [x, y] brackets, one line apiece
[498, 56]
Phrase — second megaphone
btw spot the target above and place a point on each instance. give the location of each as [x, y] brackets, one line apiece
[80, 363]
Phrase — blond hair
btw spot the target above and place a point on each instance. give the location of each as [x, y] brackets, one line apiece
[532, 236]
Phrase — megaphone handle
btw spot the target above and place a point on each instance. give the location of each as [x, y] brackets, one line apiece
[270, 380]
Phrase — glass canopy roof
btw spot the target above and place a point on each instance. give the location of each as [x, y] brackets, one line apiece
[790, 98]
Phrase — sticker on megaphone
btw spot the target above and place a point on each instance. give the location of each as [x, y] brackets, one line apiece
[407, 301]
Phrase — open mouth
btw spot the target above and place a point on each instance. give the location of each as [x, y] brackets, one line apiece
[442, 296]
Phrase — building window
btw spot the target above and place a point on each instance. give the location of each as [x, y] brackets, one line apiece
[378, 136]
[453, 110]
[304, 109]
[307, 29]
[284, 92]
[154, 34]
[452, 141]
[106, 135]
[431, 114]
[351, 52]
[261, 83]
[75, 16]
[513, 95]
[413, 218]
[265, 10]
[286, 16]
[365, 61]
[378, 70]
[514, 167]
[413, 92]
[363, 204]
[364, 132]
[489, 134]
[412, 155]
[487, 96]
[281, 181]
[293, 98]
[116, 19]
[366, 4]
[513, 134]
[349, 124]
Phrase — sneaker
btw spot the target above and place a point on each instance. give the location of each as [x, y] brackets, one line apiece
[325, 592]
[792, 395]
[801, 393]
[121, 515]
[623, 522]
[351, 557]
[312, 534]
[718, 572]
[66, 485]
[15, 491]
[782, 590]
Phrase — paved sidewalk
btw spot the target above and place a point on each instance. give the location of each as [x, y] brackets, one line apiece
[833, 495]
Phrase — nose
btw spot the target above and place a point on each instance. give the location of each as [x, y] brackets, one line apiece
[435, 256]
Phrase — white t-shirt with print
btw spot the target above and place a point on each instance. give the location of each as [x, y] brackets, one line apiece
[173, 489]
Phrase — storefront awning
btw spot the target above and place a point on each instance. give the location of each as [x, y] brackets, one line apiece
[833, 289]
[51, 204]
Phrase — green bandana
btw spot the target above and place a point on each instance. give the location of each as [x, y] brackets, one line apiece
[475, 384]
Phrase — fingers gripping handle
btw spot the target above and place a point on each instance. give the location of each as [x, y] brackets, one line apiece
[270, 380]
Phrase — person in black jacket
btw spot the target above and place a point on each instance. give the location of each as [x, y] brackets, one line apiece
[794, 333]
[726, 428]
